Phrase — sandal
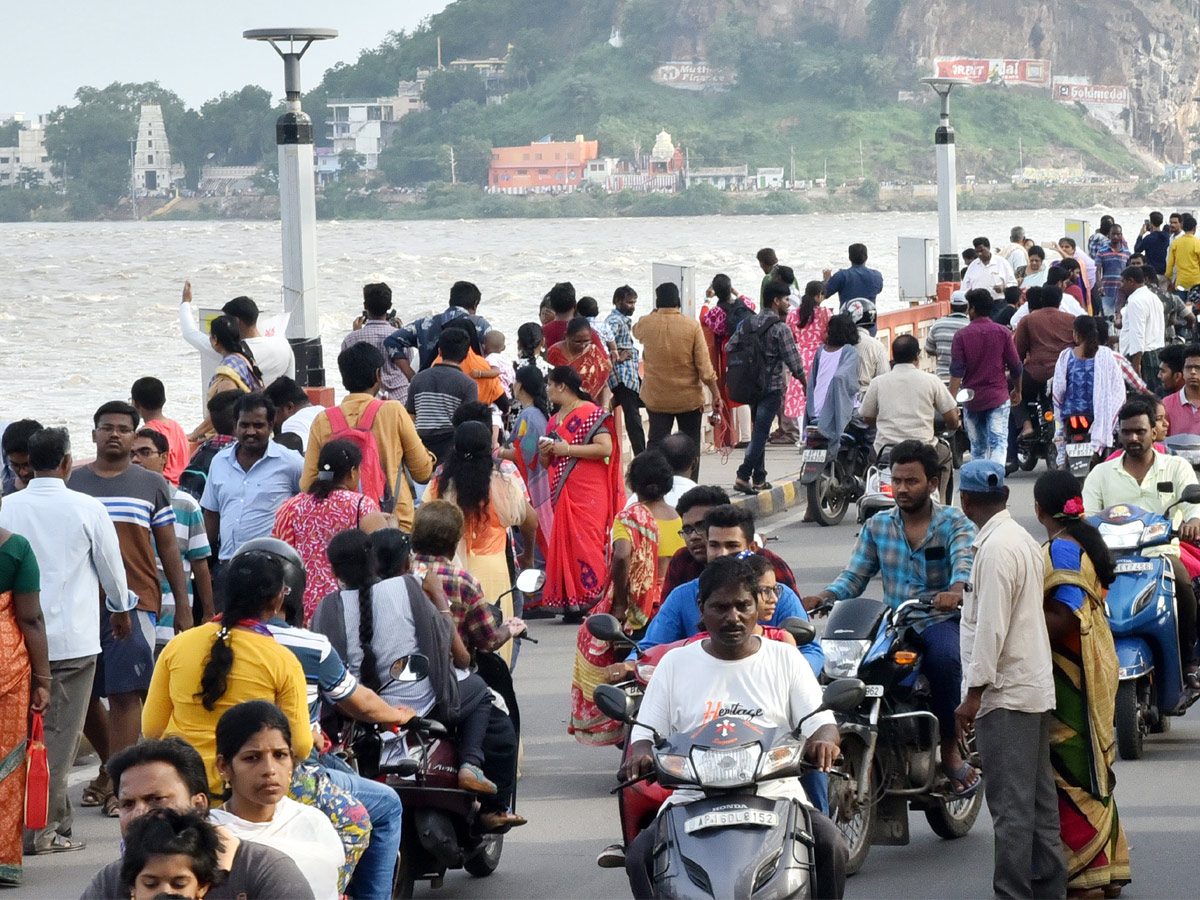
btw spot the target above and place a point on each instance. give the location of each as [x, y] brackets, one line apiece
[744, 487]
[60, 844]
[960, 775]
[110, 807]
[98, 790]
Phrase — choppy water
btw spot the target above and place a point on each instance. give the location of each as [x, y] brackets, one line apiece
[86, 308]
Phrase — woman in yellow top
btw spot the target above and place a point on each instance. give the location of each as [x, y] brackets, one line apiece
[645, 535]
[205, 671]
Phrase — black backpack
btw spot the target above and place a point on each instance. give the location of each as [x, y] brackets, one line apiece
[746, 375]
[194, 478]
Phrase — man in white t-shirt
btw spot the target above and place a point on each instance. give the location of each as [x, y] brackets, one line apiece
[988, 270]
[272, 354]
[732, 672]
[1143, 324]
[294, 412]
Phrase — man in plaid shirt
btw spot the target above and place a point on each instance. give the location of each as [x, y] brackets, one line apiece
[437, 529]
[917, 548]
[626, 380]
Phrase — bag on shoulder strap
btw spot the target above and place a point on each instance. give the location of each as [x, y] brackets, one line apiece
[371, 480]
[746, 375]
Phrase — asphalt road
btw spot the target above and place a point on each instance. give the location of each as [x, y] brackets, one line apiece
[564, 789]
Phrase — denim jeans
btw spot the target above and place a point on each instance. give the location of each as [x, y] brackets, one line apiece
[988, 431]
[373, 875]
[942, 665]
[763, 413]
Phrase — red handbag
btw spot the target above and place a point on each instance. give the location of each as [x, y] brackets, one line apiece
[37, 777]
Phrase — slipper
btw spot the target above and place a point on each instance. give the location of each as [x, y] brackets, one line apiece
[960, 775]
[763, 486]
[110, 807]
[61, 844]
[97, 791]
[1192, 679]
[743, 487]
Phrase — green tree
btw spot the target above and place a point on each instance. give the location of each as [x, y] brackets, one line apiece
[413, 165]
[8, 134]
[472, 157]
[446, 87]
[351, 162]
[239, 128]
[617, 137]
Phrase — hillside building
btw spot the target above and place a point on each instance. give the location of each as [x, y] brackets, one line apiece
[769, 179]
[545, 166]
[724, 178]
[26, 164]
[366, 126]
[665, 157]
[152, 169]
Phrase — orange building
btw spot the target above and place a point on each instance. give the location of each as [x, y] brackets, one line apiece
[542, 167]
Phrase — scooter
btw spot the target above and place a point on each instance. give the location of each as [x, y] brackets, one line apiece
[441, 827]
[1140, 606]
[1077, 433]
[1038, 444]
[731, 843]
[877, 496]
[891, 742]
[835, 477]
[1186, 446]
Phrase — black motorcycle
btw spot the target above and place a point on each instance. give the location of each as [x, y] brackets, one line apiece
[1039, 443]
[835, 477]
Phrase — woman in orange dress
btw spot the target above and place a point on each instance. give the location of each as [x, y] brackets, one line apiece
[583, 355]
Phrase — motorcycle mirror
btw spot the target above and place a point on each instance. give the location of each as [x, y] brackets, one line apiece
[966, 395]
[614, 703]
[410, 668]
[801, 629]
[606, 627]
[843, 695]
[530, 581]
[1191, 494]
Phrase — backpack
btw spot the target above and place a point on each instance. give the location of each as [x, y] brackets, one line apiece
[746, 374]
[371, 481]
[193, 479]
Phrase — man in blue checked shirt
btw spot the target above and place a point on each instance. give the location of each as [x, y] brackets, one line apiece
[626, 380]
[919, 547]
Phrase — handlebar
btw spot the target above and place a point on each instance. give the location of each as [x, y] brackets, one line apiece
[429, 726]
[649, 776]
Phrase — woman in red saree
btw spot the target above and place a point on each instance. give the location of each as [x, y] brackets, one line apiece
[640, 534]
[583, 355]
[720, 321]
[581, 451]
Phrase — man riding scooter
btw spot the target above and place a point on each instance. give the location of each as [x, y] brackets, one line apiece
[733, 672]
[1141, 476]
[919, 548]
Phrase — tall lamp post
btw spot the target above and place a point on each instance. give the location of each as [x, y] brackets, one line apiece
[947, 182]
[297, 202]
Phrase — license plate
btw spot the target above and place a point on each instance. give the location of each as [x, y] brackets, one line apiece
[1079, 449]
[816, 456]
[1128, 566]
[874, 690]
[759, 817]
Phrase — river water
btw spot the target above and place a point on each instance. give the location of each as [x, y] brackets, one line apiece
[86, 308]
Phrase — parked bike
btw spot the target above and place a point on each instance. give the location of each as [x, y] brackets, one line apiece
[835, 477]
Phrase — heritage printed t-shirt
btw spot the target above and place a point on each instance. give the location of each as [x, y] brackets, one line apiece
[137, 501]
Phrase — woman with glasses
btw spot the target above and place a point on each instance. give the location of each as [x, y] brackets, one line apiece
[644, 538]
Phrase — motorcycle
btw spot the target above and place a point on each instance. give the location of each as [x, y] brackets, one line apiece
[731, 843]
[1186, 446]
[441, 828]
[877, 495]
[1038, 444]
[836, 477]
[1077, 433]
[1140, 607]
[891, 742]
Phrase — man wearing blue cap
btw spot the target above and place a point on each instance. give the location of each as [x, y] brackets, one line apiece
[1008, 687]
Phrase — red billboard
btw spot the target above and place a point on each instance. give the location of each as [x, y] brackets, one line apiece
[1111, 95]
[997, 71]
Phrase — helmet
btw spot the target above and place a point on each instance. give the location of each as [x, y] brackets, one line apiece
[294, 579]
[861, 311]
[958, 300]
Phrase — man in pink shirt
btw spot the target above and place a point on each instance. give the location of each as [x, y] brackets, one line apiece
[1183, 406]
[149, 396]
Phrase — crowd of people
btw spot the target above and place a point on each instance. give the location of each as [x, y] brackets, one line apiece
[191, 602]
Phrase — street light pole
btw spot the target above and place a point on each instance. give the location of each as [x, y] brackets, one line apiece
[947, 182]
[297, 203]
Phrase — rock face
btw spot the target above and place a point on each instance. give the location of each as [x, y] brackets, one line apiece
[1149, 47]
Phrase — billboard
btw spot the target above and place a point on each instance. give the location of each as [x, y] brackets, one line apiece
[1034, 72]
[692, 76]
[1107, 94]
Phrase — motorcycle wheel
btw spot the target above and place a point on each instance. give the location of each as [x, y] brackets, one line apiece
[853, 820]
[952, 818]
[404, 880]
[486, 857]
[826, 497]
[1027, 460]
[1129, 721]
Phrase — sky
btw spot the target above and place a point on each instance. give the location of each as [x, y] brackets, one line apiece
[194, 49]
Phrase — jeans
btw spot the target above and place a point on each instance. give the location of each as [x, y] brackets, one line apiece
[631, 406]
[689, 423]
[942, 665]
[988, 431]
[373, 875]
[752, 467]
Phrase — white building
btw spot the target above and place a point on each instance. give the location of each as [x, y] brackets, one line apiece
[724, 178]
[366, 126]
[152, 169]
[28, 156]
[769, 179]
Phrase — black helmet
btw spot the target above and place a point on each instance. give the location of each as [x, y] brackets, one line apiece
[861, 311]
[294, 579]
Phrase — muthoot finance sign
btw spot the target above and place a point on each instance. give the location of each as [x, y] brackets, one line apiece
[692, 76]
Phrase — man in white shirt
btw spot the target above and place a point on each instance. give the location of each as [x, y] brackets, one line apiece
[294, 412]
[1008, 690]
[273, 354]
[734, 673]
[1143, 325]
[682, 455]
[1015, 252]
[988, 270]
[76, 546]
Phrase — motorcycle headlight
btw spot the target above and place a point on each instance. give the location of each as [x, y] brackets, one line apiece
[676, 765]
[729, 768]
[1155, 532]
[843, 657]
[1143, 599]
[1121, 536]
[644, 671]
[788, 756]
